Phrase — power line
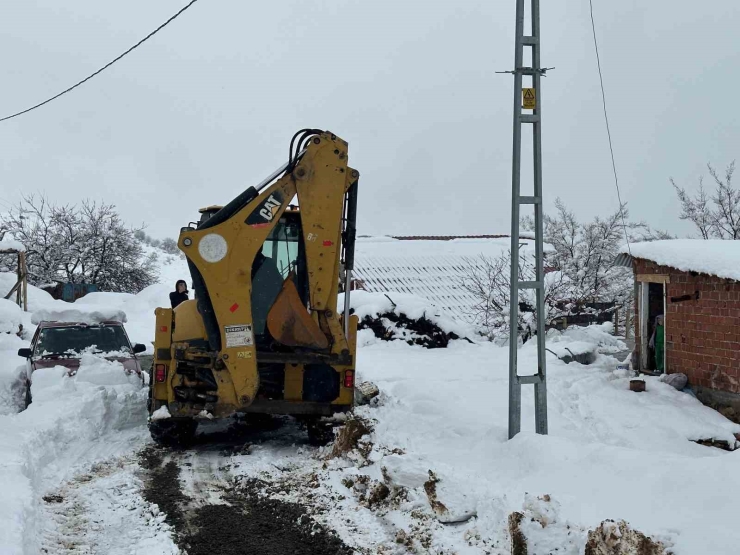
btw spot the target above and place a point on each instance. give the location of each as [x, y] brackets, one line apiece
[608, 132]
[106, 66]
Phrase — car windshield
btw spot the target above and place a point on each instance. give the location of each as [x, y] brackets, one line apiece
[75, 339]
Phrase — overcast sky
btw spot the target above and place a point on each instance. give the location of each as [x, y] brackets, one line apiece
[207, 107]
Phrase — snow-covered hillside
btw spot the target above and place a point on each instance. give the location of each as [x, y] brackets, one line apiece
[71, 475]
[170, 267]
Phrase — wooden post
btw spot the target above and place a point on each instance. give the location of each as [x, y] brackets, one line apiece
[616, 321]
[21, 284]
[22, 262]
[19, 273]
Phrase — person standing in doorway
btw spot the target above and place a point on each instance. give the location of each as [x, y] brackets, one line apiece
[180, 294]
[657, 342]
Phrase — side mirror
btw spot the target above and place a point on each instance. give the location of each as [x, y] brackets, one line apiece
[25, 353]
[139, 348]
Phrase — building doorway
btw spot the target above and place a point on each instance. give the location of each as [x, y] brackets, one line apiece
[652, 303]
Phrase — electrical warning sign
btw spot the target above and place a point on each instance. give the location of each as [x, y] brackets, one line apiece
[529, 100]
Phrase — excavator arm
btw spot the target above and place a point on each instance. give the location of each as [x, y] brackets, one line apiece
[221, 252]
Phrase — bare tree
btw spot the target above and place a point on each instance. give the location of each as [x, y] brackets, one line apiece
[169, 246]
[715, 215]
[579, 263]
[79, 244]
[488, 281]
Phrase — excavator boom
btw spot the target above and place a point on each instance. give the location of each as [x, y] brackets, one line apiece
[263, 333]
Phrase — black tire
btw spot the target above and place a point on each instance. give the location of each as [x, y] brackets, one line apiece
[173, 432]
[319, 433]
[27, 395]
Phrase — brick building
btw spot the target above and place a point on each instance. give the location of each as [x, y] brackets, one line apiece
[695, 284]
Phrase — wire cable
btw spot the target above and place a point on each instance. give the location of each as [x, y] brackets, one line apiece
[106, 66]
[608, 132]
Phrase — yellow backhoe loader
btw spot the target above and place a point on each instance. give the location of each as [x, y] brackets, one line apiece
[264, 333]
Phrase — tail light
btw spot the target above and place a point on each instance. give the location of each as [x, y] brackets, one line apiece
[349, 378]
[160, 373]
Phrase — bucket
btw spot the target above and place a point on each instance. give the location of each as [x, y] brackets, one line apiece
[637, 385]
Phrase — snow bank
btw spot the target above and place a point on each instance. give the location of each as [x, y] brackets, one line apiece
[10, 316]
[12, 372]
[72, 421]
[37, 298]
[11, 365]
[11, 245]
[99, 371]
[714, 257]
[577, 340]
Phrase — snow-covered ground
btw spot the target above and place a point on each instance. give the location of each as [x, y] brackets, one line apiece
[62, 468]
[71, 481]
[611, 454]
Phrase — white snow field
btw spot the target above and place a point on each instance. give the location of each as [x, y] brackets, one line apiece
[71, 481]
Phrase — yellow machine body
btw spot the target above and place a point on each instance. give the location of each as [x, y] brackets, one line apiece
[249, 343]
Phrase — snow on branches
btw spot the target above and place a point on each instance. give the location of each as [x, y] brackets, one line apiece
[715, 215]
[578, 266]
[85, 243]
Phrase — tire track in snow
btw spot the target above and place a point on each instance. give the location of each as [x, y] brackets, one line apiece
[102, 512]
[213, 511]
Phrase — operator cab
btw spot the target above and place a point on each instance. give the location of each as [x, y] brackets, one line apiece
[207, 212]
[282, 257]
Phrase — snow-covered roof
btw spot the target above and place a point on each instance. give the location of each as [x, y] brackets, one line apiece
[431, 268]
[713, 257]
[11, 245]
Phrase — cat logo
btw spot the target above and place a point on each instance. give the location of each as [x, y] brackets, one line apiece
[266, 211]
[270, 208]
[244, 354]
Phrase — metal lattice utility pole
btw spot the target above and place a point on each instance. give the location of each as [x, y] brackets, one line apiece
[527, 98]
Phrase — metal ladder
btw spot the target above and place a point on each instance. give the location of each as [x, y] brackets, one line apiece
[538, 379]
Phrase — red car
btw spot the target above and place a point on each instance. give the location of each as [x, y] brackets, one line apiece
[62, 344]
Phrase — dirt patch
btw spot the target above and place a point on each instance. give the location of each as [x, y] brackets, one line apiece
[162, 486]
[349, 436]
[150, 458]
[617, 538]
[430, 487]
[518, 539]
[255, 524]
[378, 494]
[718, 443]
[415, 331]
[53, 498]
[246, 523]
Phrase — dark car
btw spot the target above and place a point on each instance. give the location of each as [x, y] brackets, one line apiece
[62, 344]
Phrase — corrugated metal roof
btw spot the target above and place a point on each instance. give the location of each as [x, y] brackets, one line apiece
[430, 268]
[623, 260]
[445, 237]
